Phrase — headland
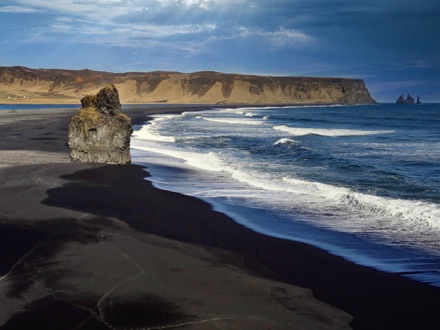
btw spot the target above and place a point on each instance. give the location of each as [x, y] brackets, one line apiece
[25, 85]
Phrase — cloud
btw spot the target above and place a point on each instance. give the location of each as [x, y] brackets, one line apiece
[108, 9]
[66, 29]
[100, 10]
[279, 38]
[125, 23]
[416, 64]
[18, 9]
[203, 4]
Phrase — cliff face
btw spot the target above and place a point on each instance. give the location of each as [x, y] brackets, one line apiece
[100, 132]
[63, 86]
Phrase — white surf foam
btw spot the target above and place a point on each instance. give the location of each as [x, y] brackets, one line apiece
[244, 109]
[300, 131]
[284, 141]
[234, 121]
[398, 221]
[409, 210]
[208, 162]
[147, 133]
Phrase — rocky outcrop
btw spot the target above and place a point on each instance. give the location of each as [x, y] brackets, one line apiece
[18, 84]
[409, 100]
[100, 132]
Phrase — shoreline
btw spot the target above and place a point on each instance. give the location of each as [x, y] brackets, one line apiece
[111, 196]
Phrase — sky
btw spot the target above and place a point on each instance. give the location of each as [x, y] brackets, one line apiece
[394, 45]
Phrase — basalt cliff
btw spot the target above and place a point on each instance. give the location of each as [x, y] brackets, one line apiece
[100, 132]
[19, 84]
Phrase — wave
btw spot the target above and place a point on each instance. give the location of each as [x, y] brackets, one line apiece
[409, 210]
[300, 131]
[233, 121]
[158, 118]
[208, 162]
[292, 106]
[284, 141]
[147, 133]
[243, 110]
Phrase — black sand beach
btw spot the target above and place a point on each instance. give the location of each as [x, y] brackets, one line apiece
[89, 246]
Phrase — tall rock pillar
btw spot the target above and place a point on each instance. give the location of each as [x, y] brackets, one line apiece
[100, 132]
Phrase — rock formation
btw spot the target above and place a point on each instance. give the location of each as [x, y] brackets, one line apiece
[400, 100]
[409, 100]
[100, 132]
[206, 87]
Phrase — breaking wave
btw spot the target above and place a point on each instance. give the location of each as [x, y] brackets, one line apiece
[300, 131]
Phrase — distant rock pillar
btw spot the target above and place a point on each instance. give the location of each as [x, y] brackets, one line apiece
[100, 132]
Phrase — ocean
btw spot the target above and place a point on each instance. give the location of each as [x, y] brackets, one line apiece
[361, 182]
[12, 107]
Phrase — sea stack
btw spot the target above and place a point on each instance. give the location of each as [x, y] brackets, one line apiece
[100, 132]
[409, 99]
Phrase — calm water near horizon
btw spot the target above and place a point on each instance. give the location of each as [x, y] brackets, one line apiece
[362, 182]
[9, 107]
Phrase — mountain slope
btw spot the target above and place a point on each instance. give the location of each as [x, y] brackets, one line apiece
[19, 84]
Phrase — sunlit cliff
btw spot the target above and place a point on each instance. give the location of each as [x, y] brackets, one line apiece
[19, 84]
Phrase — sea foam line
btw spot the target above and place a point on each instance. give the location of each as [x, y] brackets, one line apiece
[147, 133]
[233, 121]
[208, 162]
[300, 131]
[409, 210]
